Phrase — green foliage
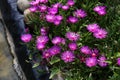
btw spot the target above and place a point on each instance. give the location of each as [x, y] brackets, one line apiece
[35, 65]
[54, 60]
[54, 71]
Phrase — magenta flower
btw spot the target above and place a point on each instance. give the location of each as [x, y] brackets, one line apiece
[42, 39]
[67, 56]
[72, 19]
[72, 46]
[72, 36]
[118, 61]
[50, 18]
[80, 13]
[56, 5]
[43, 1]
[53, 11]
[63, 41]
[44, 31]
[100, 33]
[98, 8]
[34, 3]
[70, 2]
[58, 17]
[101, 61]
[40, 46]
[42, 8]
[101, 10]
[65, 7]
[85, 50]
[93, 27]
[46, 54]
[55, 50]
[26, 37]
[91, 61]
[56, 40]
[33, 9]
[81, 58]
[57, 22]
[94, 52]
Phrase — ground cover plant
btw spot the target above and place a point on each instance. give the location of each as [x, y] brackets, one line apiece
[76, 39]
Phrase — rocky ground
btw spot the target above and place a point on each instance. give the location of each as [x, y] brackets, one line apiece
[13, 55]
[9, 66]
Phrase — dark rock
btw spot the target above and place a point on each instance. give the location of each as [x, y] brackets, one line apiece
[15, 24]
[10, 68]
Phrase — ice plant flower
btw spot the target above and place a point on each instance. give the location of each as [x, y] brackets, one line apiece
[81, 58]
[70, 2]
[100, 33]
[43, 1]
[93, 27]
[72, 46]
[68, 56]
[50, 18]
[72, 19]
[85, 50]
[102, 61]
[46, 54]
[80, 13]
[26, 37]
[42, 39]
[33, 9]
[65, 7]
[91, 62]
[55, 50]
[57, 22]
[56, 40]
[58, 17]
[40, 46]
[72, 36]
[94, 52]
[56, 5]
[52, 11]
[118, 61]
[34, 3]
[44, 31]
[42, 8]
[63, 41]
[101, 10]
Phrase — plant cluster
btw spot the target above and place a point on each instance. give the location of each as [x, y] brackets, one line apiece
[78, 39]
